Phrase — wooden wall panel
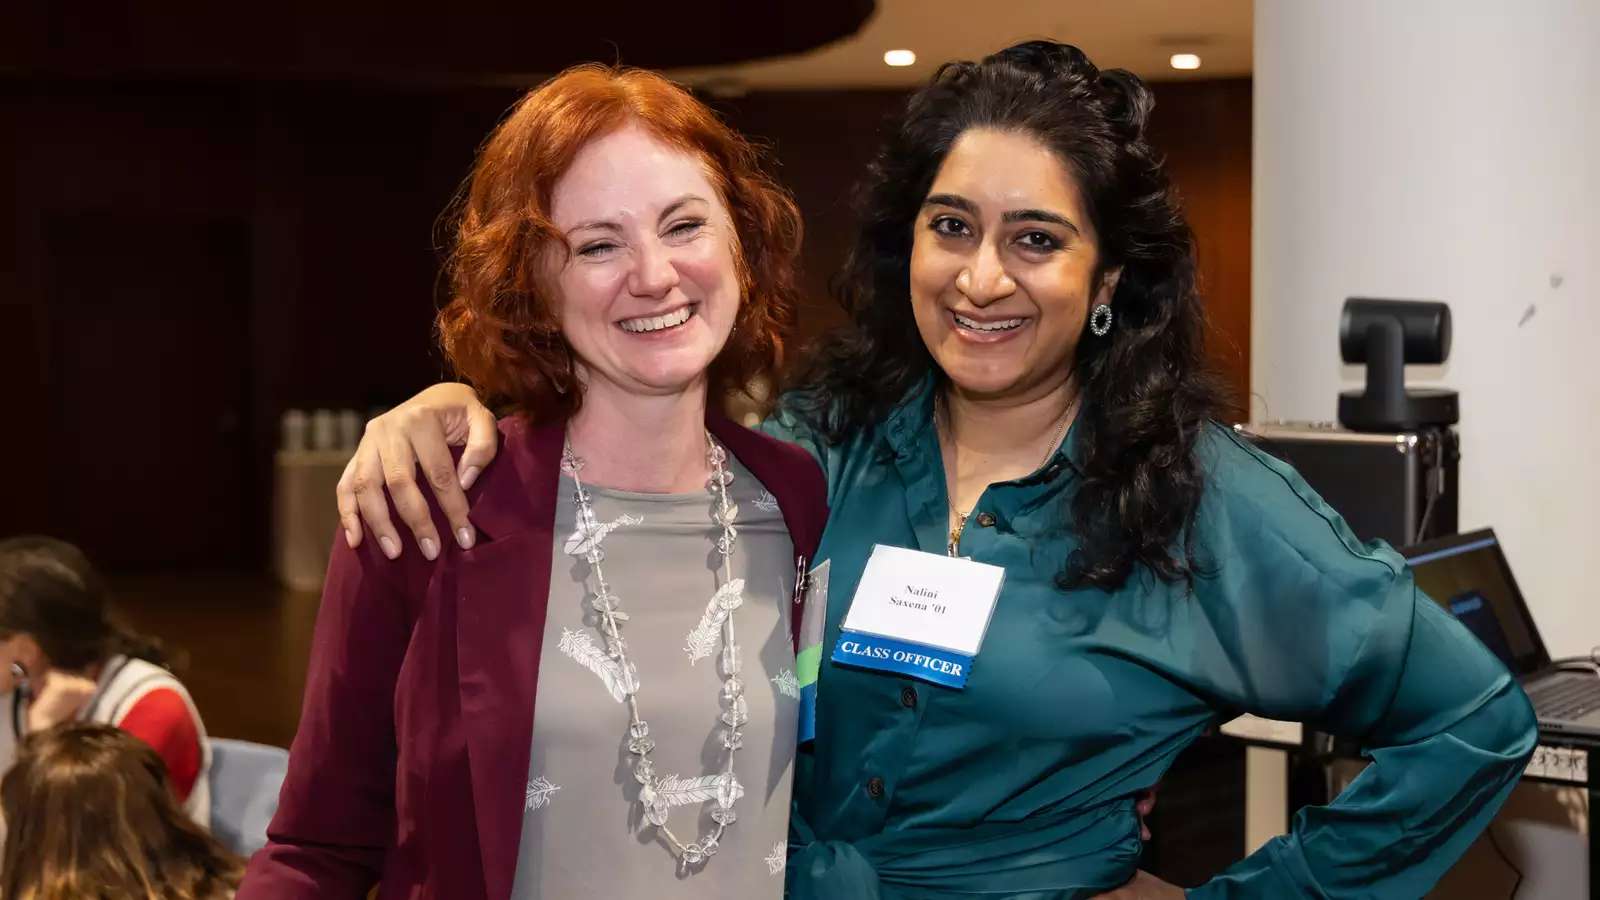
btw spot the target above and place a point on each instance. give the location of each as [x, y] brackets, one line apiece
[340, 188]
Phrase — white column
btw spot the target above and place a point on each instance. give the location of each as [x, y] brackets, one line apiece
[1450, 150]
[1447, 150]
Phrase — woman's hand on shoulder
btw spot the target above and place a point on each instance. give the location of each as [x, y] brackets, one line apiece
[420, 431]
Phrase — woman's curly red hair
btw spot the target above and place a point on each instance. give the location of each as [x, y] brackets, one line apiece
[500, 329]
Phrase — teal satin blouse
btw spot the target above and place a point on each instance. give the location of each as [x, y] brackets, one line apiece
[1023, 784]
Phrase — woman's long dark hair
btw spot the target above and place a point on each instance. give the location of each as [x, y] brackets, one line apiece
[1146, 392]
[50, 591]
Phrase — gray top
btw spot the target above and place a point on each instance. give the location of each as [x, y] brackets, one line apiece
[583, 834]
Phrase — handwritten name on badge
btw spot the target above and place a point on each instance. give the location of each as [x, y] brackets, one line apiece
[920, 598]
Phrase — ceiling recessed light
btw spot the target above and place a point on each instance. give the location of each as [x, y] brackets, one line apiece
[900, 58]
[1185, 61]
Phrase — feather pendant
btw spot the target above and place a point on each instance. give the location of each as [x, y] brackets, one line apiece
[620, 681]
[702, 641]
[584, 540]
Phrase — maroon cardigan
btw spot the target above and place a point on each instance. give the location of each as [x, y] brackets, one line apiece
[411, 760]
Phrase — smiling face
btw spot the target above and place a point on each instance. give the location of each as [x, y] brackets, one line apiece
[649, 291]
[1004, 265]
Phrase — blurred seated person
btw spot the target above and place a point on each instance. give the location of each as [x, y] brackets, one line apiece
[63, 657]
[90, 814]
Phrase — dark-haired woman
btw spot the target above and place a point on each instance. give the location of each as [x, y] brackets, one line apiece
[64, 657]
[1022, 386]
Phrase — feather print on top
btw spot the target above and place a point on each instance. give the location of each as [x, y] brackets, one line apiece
[581, 649]
[777, 859]
[538, 794]
[787, 684]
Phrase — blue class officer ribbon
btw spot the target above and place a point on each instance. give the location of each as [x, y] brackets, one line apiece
[931, 664]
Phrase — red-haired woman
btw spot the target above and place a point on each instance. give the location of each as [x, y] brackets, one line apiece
[595, 694]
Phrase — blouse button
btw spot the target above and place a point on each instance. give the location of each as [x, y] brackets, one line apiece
[908, 697]
[986, 520]
[875, 787]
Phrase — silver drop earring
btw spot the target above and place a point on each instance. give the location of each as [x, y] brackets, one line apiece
[19, 677]
[1100, 319]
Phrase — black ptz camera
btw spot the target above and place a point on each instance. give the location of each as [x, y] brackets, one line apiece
[1386, 335]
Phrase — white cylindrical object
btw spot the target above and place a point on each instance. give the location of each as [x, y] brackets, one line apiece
[292, 431]
[349, 429]
[1425, 149]
[324, 430]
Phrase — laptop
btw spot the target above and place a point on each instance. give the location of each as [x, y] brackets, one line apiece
[1468, 575]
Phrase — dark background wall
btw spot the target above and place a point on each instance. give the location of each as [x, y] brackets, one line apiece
[181, 262]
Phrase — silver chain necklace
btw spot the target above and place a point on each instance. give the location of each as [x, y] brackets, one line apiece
[659, 793]
[953, 548]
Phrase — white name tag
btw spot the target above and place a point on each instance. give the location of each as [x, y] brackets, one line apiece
[919, 614]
